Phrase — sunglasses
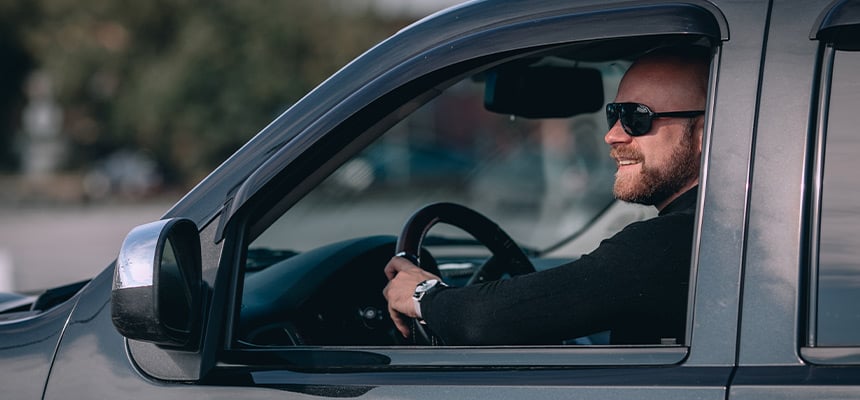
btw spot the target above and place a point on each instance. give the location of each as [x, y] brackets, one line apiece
[636, 117]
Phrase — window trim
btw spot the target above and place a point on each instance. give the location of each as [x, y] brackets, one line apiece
[838, 25]
[817, 180]
[399, 357]
[459, 357]
[831, 355]
[811, 351]
[314, 359]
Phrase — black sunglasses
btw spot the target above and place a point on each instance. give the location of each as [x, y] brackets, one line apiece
[636, 117]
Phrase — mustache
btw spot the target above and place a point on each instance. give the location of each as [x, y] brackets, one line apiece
[626, 153]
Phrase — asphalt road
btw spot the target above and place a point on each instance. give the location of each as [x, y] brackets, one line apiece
[42, 246]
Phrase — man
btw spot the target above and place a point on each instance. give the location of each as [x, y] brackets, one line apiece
[635, 284]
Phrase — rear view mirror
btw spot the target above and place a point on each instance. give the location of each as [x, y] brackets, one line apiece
[157, 289]
[543, 91]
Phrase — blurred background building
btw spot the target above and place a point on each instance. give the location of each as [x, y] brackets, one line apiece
[109, 111]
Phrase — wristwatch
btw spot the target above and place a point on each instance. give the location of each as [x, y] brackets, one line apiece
[420, 290]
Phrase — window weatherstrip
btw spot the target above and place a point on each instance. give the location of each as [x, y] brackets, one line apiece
[831, 355]
[703, 184]
[329, 359]
[817, 185]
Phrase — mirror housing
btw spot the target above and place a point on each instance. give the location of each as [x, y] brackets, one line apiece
[157, 293]
[543, 91]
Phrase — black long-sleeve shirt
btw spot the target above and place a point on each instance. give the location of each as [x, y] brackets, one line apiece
[635, 285]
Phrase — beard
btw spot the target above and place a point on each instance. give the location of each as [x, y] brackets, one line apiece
[654, 184]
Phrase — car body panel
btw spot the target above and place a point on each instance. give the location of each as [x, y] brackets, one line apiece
[722, 214]
[779, 227]
[27, 350]
[747, 313]
[772, 281]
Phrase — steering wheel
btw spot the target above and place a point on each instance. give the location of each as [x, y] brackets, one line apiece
[506, 257]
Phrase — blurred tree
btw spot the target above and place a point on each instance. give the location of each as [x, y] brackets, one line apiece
[15, 64]
[186, 81]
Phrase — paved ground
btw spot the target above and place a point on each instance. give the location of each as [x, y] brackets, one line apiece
[43, 246]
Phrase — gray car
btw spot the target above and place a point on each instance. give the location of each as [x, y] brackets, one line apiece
[265, 280]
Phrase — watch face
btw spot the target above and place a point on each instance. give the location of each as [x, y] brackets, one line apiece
[424, 287]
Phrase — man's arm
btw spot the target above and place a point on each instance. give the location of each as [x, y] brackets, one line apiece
[636, 279]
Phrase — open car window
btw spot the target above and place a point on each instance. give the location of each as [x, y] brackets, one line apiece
[543, 180]
[315, 276]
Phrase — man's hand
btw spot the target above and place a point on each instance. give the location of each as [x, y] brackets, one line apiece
[403, 277]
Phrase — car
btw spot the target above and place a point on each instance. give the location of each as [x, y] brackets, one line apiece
[265, 280]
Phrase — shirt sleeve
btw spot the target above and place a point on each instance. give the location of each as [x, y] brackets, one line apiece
[634, 284]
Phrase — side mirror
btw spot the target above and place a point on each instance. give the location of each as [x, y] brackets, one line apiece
[158, 286]
[544, 91]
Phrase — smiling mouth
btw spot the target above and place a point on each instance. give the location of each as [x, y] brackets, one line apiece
[625, 157]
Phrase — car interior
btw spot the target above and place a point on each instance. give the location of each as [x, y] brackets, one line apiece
[513, 144]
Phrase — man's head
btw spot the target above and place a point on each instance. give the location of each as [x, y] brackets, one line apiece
[657, 166]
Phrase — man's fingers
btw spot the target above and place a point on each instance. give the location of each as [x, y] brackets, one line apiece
[395, 265]
[390, 271]
[400, 322]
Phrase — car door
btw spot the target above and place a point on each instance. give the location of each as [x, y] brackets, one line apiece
[304, 147]
[799, 331]
[698, 370]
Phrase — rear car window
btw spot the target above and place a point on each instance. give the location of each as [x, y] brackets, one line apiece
[838, 314]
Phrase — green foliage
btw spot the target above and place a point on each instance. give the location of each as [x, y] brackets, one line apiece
[187, 81]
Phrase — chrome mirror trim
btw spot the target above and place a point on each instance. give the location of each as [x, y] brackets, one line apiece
[138, 255]
[157, 287]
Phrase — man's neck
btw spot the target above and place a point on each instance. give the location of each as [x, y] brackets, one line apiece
[677, 194]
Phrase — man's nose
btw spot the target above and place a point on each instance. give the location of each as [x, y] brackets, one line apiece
[616, 134]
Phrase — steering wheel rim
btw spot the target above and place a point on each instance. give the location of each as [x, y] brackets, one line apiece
[505, 252]
[480, 227]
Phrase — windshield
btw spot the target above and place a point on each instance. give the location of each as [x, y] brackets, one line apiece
[541, 180]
